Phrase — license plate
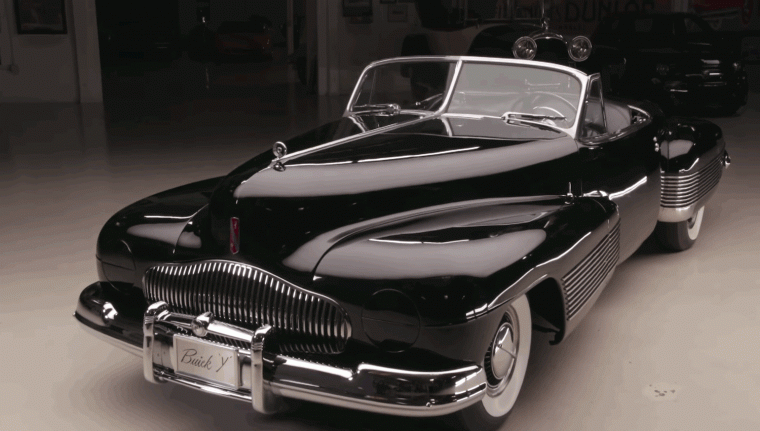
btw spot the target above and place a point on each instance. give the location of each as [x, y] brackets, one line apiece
[208, 361]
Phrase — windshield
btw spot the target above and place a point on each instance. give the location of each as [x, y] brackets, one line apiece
[517, 92]
[418, 85]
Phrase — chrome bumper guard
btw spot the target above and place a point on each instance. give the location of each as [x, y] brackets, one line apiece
[262, 399]
[267, 379]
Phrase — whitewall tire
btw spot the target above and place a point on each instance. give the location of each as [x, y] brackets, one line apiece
[505, 364]
[682, 235]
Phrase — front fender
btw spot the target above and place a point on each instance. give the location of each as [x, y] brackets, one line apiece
[148, 229]
[458, 265]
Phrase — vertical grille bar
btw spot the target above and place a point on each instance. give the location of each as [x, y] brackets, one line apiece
[248, 296]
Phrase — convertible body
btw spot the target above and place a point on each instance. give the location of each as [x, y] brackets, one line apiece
[379, 262]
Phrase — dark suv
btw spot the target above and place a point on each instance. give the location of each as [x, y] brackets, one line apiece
[677, 60]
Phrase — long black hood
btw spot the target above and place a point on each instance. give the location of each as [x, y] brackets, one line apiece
[372, 175]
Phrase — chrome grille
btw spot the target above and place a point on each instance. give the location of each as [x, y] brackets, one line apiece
[245, 295]
[679, 190]
[586, 277]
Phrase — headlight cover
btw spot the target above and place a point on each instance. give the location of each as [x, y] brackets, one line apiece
[391, 320]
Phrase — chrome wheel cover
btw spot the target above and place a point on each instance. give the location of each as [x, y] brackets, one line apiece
[508, 358]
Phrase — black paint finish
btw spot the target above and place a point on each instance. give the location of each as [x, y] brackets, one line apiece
[454, 216]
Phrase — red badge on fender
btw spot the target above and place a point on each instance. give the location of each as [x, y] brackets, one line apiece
[234, 235]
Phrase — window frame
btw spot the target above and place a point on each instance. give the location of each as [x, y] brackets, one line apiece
[596, 77]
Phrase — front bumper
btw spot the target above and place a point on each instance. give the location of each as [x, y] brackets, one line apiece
[266, 378]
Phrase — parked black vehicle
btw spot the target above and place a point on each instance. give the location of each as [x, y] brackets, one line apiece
[677, 60]
[391, 260]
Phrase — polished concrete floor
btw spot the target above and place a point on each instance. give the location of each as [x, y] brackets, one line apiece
[672, 344]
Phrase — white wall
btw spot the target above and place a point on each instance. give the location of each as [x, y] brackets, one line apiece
[344, 49]
[51, 68]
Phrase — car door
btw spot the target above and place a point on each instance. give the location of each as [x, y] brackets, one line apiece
[620, 160]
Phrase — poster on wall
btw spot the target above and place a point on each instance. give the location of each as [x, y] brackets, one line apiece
[40, 17]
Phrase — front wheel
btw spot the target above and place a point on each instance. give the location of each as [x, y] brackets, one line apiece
[679, 236]
[505, 364]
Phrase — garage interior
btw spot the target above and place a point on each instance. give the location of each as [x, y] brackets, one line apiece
[84, 131]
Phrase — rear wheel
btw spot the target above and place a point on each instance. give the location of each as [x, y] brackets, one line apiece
[505, 364]
[679, 236]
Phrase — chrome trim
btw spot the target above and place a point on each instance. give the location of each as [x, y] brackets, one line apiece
[726, 160]
[632, 128]
[540, 64]
[586, 277]
[154, 312]
[676, 215]
[279, 149]
[243, 294]
[266, 377]
[262, 399]
[279, 164]
[582, 112]
[685, 189]
[450, 92]
[596, 194]
[201, 323]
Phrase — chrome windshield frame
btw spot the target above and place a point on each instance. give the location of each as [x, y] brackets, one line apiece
[418, 59]
[582, 77]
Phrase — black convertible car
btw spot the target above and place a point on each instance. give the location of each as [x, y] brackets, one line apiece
[393, 260]
[677, 60]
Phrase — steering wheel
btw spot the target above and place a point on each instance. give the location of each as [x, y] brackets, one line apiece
[545, 104]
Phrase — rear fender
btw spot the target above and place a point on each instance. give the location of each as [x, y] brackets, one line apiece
[690, 144]
[692, 154]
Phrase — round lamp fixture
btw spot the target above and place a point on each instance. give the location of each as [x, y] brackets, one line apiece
[580, 48]
[524, 48]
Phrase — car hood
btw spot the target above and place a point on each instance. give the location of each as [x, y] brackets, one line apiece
[357, 170]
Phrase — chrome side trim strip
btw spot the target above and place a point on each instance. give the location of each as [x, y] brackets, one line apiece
[684, 194]
[683, 190]
[587, 276]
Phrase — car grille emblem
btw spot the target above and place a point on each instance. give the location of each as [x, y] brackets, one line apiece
[234, 235]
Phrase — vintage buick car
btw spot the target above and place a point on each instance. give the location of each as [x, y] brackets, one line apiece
[391, 261]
